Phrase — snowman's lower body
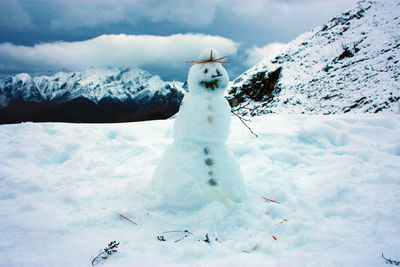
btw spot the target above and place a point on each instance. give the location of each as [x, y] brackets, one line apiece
[192, 174]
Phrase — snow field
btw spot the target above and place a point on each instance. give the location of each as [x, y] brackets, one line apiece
[336, 178]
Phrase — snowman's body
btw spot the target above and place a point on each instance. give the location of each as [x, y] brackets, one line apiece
[198, 167]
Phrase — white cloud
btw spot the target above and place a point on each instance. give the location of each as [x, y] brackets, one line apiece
[142, 51]
[256, 54]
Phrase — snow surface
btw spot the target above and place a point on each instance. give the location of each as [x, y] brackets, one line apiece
[336, 178]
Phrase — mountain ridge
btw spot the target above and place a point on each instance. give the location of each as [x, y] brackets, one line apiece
[129, 95]
[347, 65]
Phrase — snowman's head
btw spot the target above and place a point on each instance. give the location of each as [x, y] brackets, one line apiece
[208, 74]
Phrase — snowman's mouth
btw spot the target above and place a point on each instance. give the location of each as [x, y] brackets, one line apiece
[216, 76]
[210, 84]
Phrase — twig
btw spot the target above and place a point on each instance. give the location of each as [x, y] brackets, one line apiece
[270, 200]
[281, 222]
[236, 111]
[243, 121]
[251, 250]
[177, 231]
[242, 107]
[127, 219]
[250, 110]
[207, 240]
[111, 248]
[161, 237]
[179, 239]
[391, 261]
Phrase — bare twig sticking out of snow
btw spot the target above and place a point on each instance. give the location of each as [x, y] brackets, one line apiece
[161, 238]
[187, 233]
[251, 250]
[207, 240]
[111, 248]
[242, 119]
[127, 219]
[391, 261]
[270, 200]
[281, 222]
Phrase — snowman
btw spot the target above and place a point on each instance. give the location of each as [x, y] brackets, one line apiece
[198, 167]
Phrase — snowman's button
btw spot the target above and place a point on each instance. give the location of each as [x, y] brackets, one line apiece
[210, 118]
[206, 150]
[210, 172]
[212, 182]
[209, 161]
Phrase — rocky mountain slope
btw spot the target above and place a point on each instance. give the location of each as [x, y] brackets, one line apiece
[94, 95]
[350, 64]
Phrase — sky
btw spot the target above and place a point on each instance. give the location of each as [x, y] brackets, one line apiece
[46, 36]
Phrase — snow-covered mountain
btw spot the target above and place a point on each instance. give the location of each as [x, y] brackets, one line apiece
[350, 64]
[123, 94]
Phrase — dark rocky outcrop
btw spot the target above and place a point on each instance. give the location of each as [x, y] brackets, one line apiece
[260, 87]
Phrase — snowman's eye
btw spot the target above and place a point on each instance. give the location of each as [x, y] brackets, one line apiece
[218, 73]
[206, 70]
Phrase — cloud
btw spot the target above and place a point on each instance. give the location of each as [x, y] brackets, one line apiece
[55, 15]
[157, 53]
[256, 54]
[12, 14]
[253, 22]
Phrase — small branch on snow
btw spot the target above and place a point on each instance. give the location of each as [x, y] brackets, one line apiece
[161, 238]
[281, 222]
[270, 200]
[249, 110]
[251, 250]
[207, 240]
[179, 239]
[127, 219]
[391, 261]
[236, 112]
[243, 120]
[187, 233]
[111, 248]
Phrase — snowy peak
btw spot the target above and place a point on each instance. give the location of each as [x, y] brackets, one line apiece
[349, 64]
[121, 92]
[94, 84]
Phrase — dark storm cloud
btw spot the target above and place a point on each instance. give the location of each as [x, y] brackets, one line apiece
[254, 24]
[55, 15]
[65, 15]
